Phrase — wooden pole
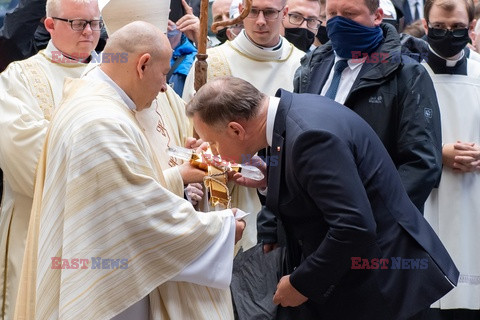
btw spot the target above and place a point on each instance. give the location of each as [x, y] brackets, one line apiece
[201, 64]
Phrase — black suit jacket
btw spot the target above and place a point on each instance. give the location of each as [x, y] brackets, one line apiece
[339, 196]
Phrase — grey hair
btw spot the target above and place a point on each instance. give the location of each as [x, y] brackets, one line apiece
[225, 99]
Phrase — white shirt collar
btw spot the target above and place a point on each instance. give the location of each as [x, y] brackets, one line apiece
[98, 74]
[411, 3]
[353, 64]
[271, 114]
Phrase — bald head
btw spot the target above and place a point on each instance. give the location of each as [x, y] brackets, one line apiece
[143, 75]
[136, 38]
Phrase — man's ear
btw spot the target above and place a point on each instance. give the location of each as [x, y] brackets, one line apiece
[425, 25]
[285, 11]
[378, 17]
[142, 64]
[471, 29]
[49, 24]
[235, 130]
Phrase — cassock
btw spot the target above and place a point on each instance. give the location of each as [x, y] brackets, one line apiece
[268, 70]
[453, 208]
[100, 197]
[29, 91]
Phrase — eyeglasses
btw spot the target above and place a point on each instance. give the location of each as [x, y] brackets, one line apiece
[441, 32]
[80, 24]
[268, 14]
[297, 19]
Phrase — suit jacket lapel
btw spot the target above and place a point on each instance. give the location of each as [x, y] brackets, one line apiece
[277, 151]
[322, 70]
[406, 12]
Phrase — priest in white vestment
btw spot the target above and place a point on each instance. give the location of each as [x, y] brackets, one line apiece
[100, 196]
[29, 91]
[165, 124]
[453, 209]
[261, 56]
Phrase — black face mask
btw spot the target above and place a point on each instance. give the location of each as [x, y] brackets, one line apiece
[300, 37]
[222, 35]
[447, 46]
[322, 35]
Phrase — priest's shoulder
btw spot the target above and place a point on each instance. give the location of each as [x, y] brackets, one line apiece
[473, 66]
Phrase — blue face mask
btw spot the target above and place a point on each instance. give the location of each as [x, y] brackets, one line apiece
[173, 33]
[351, 38]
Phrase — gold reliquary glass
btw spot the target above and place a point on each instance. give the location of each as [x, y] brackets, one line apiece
[217, 173]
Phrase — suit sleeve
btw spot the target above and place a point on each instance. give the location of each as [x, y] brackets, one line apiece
[266, 226]
[326, 167]
[419, 141]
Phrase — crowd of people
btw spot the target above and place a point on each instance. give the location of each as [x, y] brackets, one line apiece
[362, 116]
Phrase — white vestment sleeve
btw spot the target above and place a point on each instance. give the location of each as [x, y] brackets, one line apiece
[213, 268]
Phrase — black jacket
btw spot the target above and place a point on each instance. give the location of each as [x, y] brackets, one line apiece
[395, 95]
[340, 199]
[23, 33]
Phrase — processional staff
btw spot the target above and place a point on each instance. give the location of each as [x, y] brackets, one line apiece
[201, 65]
[217, 177]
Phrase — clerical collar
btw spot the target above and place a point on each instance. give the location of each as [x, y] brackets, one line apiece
[245, 47]
[58, 56]
[441, 65]
[276, 47]
[98, 74]
[271, 114]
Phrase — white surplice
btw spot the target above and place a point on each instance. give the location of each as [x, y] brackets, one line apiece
[453, 209]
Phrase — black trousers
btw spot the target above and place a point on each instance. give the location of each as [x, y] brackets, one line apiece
[452, 314]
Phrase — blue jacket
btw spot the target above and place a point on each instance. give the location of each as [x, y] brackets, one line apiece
[187, 49]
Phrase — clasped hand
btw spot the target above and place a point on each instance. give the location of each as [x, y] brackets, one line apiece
[461, 156]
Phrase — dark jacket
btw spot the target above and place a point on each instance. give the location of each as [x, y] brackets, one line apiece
[339, 197]
[395, 95]
[23, 33]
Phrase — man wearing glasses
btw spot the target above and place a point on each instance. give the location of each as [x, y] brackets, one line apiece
[261, 56]
[452, 209]
[302, 22]
[29, 91]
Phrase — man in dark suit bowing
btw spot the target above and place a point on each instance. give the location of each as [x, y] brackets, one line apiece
[359, 248]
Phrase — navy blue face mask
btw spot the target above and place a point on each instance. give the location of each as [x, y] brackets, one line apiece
[351, 38]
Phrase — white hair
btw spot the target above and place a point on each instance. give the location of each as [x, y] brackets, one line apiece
[54, 7]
